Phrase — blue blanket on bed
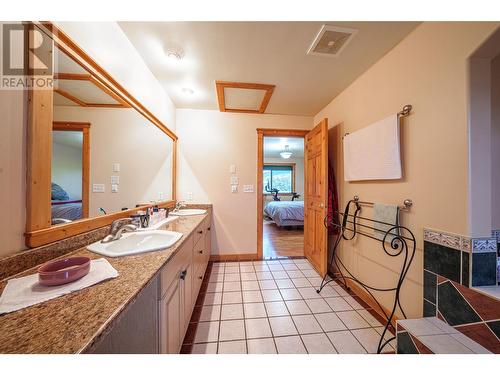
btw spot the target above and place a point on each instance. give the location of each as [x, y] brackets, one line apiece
[285, 210]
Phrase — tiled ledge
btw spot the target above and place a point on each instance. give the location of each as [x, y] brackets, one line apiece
[490, 291]
[433, 336]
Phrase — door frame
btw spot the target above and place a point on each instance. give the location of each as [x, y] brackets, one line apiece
[261, 133]
[83, 127]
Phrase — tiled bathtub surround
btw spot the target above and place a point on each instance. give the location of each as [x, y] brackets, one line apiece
[447, 294]
[272, 307]
[484, 261]
[432, 335]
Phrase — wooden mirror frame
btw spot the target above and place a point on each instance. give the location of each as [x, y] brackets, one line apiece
[39, 230]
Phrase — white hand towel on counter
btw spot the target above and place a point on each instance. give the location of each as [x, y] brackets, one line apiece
[373, 153]
[26, 291]
[386, 213]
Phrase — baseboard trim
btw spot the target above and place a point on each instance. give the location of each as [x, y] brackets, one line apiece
[233, 257]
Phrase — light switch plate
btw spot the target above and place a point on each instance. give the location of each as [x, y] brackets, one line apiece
[114, 188]
[234, 180]
[189, 196]
[115, 179]
[232, 168]
[248, 188]
[234, 188]
[116, 167]
[98, 188]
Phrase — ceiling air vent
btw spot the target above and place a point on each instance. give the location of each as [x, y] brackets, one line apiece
[331, 40]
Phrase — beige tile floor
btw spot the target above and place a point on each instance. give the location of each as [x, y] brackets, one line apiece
[269, 307]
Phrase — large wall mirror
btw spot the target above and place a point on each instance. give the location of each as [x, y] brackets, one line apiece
[109, 154]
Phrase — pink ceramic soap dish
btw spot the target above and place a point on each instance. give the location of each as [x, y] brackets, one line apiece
[63, 271]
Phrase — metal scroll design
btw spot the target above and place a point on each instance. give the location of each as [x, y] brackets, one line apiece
[397, 241]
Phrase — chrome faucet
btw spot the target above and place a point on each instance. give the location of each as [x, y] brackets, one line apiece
[118, 227]
[179, 205]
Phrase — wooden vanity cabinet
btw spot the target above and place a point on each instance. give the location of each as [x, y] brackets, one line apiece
[135, 331]
[157, 320]
[180, 284]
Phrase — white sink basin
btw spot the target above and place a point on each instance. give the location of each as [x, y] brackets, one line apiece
[188, 212]
[136, 243]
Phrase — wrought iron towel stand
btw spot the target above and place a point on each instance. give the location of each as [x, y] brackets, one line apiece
[401, 242]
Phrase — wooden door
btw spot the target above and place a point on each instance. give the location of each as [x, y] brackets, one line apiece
[315, 196]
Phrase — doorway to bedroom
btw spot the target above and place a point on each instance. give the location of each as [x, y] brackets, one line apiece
[281, 193]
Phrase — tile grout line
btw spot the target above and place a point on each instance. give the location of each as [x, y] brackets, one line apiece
[290, 315]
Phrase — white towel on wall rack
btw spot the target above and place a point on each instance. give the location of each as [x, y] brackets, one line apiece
[373, 153]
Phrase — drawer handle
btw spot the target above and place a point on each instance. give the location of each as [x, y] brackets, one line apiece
[200, 277]
[201, 251]
[208, 228]
[183, 274]
[200, 232]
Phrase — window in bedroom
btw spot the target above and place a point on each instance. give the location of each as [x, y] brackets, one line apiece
[279, 176]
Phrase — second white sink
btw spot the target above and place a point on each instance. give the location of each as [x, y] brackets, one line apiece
[136, 243]
[188, 212]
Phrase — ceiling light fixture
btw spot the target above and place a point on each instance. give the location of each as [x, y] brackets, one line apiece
[174, 55]
[286, 154]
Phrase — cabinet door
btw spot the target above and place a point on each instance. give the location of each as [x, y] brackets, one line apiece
[136, 331]
[187, 295]
[208, 240]
[171, 316]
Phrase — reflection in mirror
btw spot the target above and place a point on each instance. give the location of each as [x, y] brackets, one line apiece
[106, 157]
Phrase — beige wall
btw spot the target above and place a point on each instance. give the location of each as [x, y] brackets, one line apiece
[12, 171]
[480, 170]
[13, 108]
[495, 143]
[67, 168]
[126, 137]
[209, 142]
[429, 70]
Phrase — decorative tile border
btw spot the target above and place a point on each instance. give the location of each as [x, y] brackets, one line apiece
[454, 241]
[496, 234]
[484, 245]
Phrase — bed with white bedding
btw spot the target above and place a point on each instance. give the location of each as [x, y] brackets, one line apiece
[286, 213]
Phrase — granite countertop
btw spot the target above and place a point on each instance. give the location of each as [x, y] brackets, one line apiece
[74, 322]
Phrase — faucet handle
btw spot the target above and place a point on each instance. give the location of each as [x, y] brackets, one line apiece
[116, 224]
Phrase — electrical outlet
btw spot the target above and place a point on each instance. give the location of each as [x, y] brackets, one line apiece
[248, 188]
[234, 188]
[114, 188]
[234, 180]
[116, 167]
[189, 196]
[232, 168]
[115, 180]
[160, 195]
[98, 188]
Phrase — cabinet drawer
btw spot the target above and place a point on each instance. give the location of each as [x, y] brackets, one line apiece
[173, 268]
[198, 278]
[198, 233]
[199, 251]
[207, 223]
